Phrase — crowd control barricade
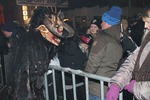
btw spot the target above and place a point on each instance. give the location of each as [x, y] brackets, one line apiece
[73, 72]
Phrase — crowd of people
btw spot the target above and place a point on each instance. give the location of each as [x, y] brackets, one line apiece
[106, 49]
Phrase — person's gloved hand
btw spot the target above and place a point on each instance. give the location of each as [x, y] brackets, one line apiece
[113, 92]
[129, 87]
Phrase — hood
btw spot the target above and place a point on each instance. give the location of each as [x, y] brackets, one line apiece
[114, 31]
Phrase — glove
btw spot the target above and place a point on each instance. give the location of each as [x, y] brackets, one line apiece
[113, 92]
[129, 87]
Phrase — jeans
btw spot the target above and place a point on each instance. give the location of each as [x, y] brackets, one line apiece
[94, 97]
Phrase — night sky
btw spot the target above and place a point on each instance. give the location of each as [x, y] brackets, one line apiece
[72, 4]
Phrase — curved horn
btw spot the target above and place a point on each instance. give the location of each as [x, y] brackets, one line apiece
[68, 29]
[48, 25]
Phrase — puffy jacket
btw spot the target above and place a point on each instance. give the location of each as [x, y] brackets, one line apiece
[104, 56]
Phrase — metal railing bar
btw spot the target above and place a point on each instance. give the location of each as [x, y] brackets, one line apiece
[46, 86]
[80, 73]
[102, 79]
[74, 87]
[63, 83]
[102, 89]
[87, 88]
[54, 84]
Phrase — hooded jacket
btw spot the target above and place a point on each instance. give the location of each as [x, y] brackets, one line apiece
[104, 56]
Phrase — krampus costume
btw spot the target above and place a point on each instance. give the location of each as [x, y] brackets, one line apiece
[29, 58]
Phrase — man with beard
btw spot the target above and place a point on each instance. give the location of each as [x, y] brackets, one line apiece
[133, 75]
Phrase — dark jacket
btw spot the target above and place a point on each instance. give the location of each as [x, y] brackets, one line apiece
[72, 56]
[3, 44]
[128, 46]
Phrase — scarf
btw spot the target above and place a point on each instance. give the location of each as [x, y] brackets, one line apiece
[142, 73]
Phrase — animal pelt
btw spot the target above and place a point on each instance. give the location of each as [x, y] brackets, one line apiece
[28, 61]
[31, 54]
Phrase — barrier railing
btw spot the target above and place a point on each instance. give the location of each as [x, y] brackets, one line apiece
[73, 72]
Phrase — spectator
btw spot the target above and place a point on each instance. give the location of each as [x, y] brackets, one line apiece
[12, 34]
[12, 31]
[133, 75]
[75, 57]
[128, 48]
[125, 25]
[137, 27]
[9, 28]
[127, 43]
[95, 26]
[106, 50]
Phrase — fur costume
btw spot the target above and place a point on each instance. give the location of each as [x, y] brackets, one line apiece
[29, 59]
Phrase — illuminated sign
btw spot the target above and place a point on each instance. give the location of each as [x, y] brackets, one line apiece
[37, 2]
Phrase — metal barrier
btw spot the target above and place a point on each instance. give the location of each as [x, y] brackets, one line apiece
[73, 72]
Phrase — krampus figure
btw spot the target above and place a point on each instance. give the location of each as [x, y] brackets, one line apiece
[30, 57]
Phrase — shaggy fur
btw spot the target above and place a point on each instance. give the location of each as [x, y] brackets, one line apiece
[28, 60]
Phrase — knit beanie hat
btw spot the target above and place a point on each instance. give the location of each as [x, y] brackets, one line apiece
[10, 26]
[113, 15]
[96, 22]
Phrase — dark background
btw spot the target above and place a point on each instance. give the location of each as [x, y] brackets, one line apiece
[12, 10]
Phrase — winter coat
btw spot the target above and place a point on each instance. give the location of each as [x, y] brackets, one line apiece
[123, 76]
[3, 44]
[128, 46]
[73, 58]
[104, 56]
